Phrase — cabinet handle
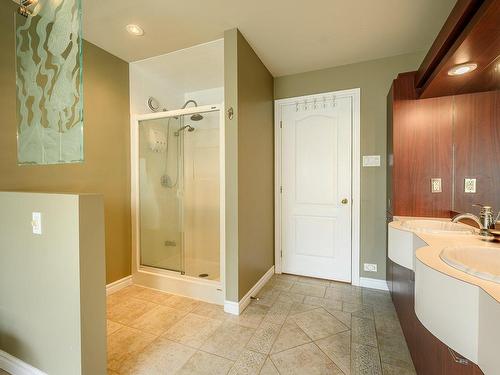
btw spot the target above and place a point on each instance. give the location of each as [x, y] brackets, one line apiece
[458, 358]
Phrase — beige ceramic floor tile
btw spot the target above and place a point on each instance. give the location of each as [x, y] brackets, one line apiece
[289, 337]
[394, 370]
[183, 304]
[279, 284]
[160, 357]
[111, 327]
[211, 311]
[267, 297]
[152, 295]
[298, 308]
[128, 310]
[343, 316]
[124, 343]
[313, 281]
[264, 337]
[305, 359]
[318, 324]
[364, 360]
[158, 320]
[248, 363]
[393, 351]
[251, 317]
[193, 330]
[323, 302]
[202, 363]
[338, 348]
[228, 341]
[308, 289]
[359, 310]
[292, 297]
[269, 368]
[363, 331]
[278, 312]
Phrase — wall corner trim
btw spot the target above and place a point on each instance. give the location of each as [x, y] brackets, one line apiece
[15, 366]
[118, 284]
[236, 308]
[367, 282]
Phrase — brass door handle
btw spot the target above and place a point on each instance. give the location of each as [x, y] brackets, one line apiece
[344, 201]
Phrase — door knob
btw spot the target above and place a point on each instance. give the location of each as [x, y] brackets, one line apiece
[344, 201]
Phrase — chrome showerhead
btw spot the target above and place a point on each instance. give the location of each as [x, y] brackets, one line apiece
[188, 127]
[196, 117]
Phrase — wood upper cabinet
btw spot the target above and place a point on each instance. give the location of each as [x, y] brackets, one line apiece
[471, 34]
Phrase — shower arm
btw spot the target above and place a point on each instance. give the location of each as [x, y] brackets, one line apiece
[189, 101]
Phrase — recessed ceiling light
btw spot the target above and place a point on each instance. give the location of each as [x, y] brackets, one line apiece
[135, 30]
[462, 69]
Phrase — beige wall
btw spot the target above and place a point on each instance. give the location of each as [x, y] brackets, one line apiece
[52, 295]
[106, 140]
[374, 78]
[249, 167]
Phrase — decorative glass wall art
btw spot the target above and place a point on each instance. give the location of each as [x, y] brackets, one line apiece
[49, 82]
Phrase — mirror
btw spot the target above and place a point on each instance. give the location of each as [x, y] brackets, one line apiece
[476, 151]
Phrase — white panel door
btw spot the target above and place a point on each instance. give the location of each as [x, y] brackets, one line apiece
[316, 189]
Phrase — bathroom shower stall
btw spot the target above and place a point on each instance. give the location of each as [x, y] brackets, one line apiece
[178, 194]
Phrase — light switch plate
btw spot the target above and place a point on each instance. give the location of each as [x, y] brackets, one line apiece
[436, 185]
[371, 161]
[36, 222]
[470, 185]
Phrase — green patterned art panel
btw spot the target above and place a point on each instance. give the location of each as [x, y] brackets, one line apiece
[49, 82]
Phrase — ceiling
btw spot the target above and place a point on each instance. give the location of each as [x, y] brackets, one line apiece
[290, 36]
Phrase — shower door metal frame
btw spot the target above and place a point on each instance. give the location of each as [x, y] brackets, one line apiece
[137, 268]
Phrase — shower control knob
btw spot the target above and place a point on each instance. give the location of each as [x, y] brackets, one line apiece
[344, 201]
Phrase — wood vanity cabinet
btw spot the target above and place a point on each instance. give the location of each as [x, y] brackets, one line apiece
[430, 356]
[429, 115]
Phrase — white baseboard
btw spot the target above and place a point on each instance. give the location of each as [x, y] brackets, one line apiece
[236, 308]
[15, 366]
[118, 284]
[367, 282]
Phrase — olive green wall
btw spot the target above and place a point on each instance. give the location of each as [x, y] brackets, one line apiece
[52, 295]
[374, 78]
[106, 140]
[249, 167]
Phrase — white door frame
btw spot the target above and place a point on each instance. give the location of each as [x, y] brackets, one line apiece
[355, 95]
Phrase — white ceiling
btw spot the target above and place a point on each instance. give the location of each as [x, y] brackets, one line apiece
[290, 36]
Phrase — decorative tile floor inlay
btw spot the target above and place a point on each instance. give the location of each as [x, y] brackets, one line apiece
[297, 325]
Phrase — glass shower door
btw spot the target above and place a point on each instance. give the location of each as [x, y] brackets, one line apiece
[179, 193]
[160, 193]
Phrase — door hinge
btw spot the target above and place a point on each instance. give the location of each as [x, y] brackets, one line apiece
[281, 253]
[281, 124]
[281, 189]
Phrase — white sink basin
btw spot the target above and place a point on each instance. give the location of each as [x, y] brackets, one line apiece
[482, 262]
[437, 227]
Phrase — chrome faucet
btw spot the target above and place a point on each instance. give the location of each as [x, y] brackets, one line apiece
[485, 220]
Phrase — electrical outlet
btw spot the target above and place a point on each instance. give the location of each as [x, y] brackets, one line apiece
[370, 267]
[470, 185]
[436, 185]
[36, 222]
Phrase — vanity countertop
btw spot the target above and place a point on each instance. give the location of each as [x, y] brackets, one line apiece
[429, 255]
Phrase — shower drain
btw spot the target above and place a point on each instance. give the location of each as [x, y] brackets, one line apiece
[203, 275]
